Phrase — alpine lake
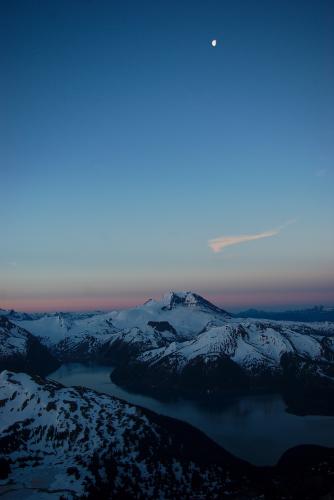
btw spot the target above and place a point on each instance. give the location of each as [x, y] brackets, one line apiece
[255, 428]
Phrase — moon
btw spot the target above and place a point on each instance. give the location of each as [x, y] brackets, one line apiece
[214, 43]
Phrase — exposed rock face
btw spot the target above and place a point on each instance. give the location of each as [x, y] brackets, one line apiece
[172, 300]
[162, 326]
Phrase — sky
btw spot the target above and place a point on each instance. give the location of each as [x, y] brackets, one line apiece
[135, 158]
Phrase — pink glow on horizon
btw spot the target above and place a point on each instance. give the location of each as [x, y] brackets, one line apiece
[72, 304]
[232, 299]
[257, 299]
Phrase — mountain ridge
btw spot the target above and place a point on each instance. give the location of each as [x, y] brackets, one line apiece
[164, 346]
[77, 443]
[314, 314]
[20, 350]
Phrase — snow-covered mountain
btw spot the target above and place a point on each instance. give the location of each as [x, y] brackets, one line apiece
[253, 345]
[187, 312]
[177, 316]
[20, 350]
[70, 442]
[165, 345]
[239, 356]
[80, 336]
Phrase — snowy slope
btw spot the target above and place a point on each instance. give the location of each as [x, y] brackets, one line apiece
[80, 336]
[184, 313]
[20, 350]
[57, 327]
[13, 339]
[232, 354]
[248, 344]
[74, 441]
[180, 331]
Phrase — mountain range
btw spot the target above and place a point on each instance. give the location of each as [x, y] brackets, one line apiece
[316, 313]
[73, 442]
[184, 346]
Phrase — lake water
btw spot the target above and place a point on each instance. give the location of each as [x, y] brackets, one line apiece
[255, 428]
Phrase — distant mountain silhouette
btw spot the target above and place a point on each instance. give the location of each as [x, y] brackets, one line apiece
[316, 313]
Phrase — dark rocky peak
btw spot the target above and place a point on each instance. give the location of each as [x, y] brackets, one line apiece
[189, 299]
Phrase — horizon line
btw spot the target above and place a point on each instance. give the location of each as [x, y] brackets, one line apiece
[237, 301]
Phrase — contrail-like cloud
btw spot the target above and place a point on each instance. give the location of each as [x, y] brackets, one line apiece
[218, 244]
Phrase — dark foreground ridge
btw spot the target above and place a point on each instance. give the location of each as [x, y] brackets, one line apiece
[22, 351]
[78, 442]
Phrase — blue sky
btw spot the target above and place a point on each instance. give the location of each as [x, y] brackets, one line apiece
[128, 142]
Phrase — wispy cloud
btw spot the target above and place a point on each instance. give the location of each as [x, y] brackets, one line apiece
[218, 244]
